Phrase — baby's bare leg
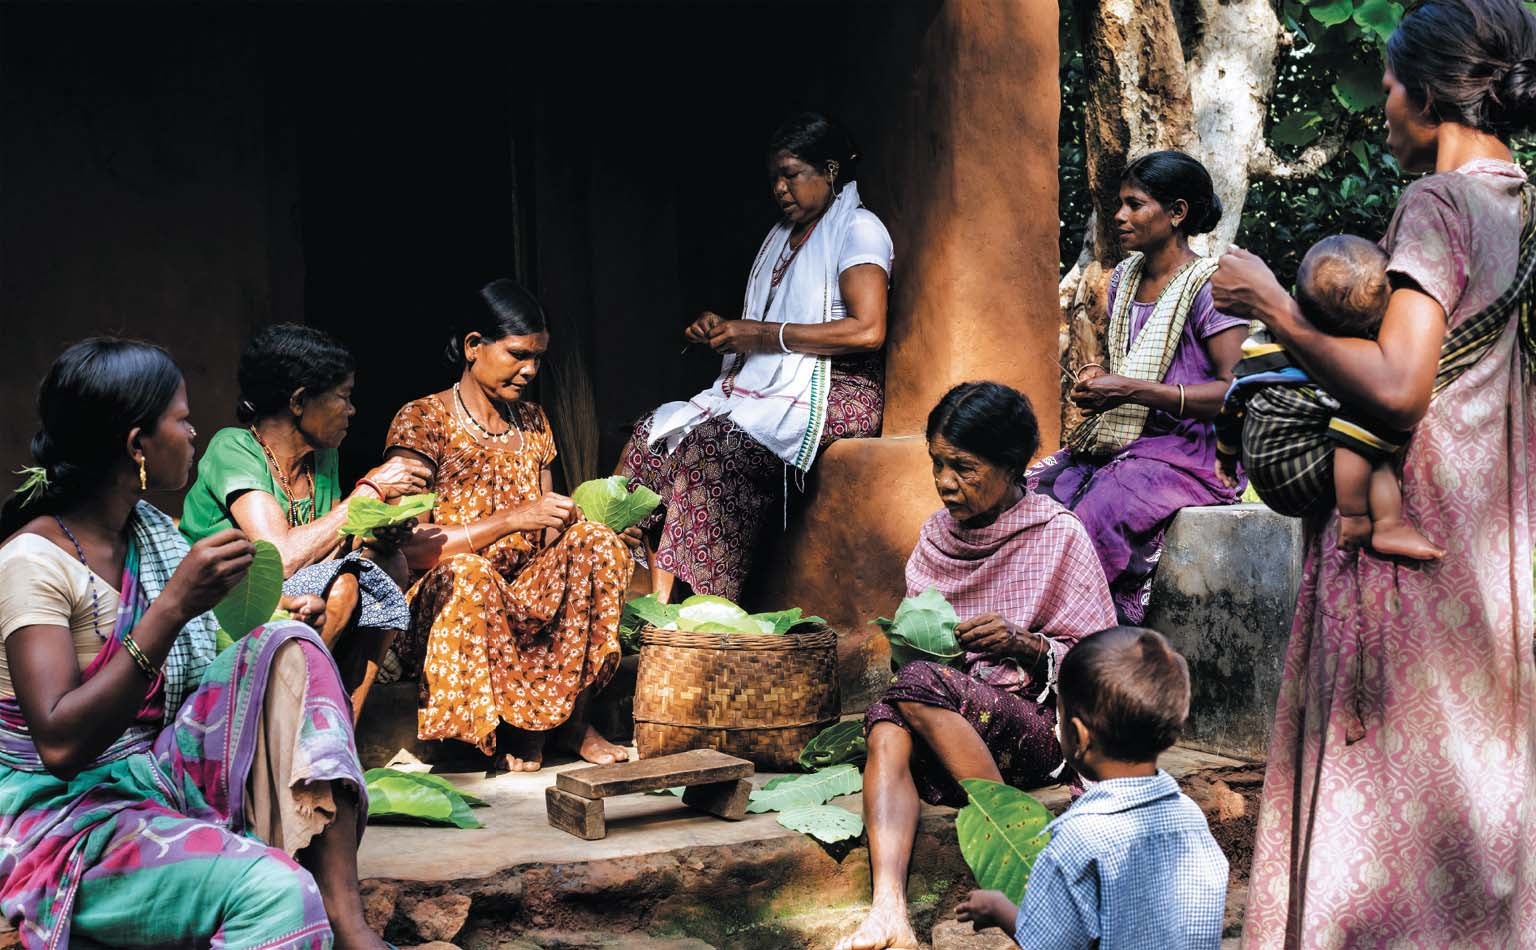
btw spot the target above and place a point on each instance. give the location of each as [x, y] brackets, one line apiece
[1352, 491]
[1390, 533]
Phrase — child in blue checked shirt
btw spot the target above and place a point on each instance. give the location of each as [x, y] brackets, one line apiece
[1132, 863]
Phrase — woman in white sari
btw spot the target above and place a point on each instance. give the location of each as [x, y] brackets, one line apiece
[802, 367]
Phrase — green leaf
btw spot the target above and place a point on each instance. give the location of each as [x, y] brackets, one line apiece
[838, 743]
[1001, 833]
[437, 781]
[416, 797]
[1379, 17]
[1331, 12]
[367, 515]
[800, 790]
[1357, 148]
[609, 501]
[824, 822]
[251, 602]
[1358, 87]
[783, 621]
[923, 629]
[222, 641]
[1298, 130]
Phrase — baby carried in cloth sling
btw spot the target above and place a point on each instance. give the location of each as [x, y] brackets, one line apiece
[1285, 427]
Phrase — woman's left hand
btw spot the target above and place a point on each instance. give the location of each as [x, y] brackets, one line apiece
[742, 336]
[305, 608]
[1244, 286]
[1104, 392]
[987, 633]
[390, 538]
[632, 537]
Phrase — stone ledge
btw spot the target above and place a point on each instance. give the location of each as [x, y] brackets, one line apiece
[1223, 594]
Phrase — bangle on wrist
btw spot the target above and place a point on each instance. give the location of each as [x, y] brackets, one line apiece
[371, 485]
[468, 541]
[139, 659]
[1181, 400]
[782, 345]
[1077, 374]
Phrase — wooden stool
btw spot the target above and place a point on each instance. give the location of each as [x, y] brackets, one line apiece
[716, 783]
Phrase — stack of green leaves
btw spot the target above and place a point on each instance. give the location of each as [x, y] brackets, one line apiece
[923, 629]
[702, 613]
[801, 801]
[838, 743]
[418, 798]
[1001, 833]
[367, 515]
[610, 501]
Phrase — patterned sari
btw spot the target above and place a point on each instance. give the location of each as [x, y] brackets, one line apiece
[152, 845]
[516, 631]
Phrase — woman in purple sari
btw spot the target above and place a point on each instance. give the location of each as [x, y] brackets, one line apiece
[1149, 447]
[153, 794]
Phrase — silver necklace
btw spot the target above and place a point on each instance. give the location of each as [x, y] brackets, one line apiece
[502, 437]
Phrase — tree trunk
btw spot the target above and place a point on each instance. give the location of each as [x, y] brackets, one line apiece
[1142, 95]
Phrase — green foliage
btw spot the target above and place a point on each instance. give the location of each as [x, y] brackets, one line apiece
[798, 791]
[827, 823]
[838, 743]
[610, 501]
[367, 515]
[702, 613]
[417, 798]
[252, 601]
[1001, 832]
[923, 629]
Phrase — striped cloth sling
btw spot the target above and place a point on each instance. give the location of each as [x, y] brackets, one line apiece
[1147, 358]
[1289, 430]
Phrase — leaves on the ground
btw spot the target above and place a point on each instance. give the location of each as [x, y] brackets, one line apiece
[251, 602]
[1001, 834]
[838, 743]
[923, 629]
[827, 823]
[797, 791]
[412, 797]
[367, 515]
[611, 502]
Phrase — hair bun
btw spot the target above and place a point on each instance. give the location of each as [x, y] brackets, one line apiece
[1211, 218]
[1515, 96]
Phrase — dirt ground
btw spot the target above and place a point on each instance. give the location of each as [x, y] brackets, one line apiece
[1230, 799]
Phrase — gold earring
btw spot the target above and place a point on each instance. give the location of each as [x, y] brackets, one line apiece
[143, 475]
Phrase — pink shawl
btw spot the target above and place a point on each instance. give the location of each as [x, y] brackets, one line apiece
[1034, 566]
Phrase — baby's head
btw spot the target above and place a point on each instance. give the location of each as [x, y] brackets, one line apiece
[1122, 696]
[1342, 286]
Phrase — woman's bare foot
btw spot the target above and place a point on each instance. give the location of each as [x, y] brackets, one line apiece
[599, 751]
[886, 926]
[524, 749]
[1401, 539]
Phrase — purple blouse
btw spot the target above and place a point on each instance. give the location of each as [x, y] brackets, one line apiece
[1186, 444]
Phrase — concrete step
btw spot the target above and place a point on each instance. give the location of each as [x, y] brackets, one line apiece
[662, 871]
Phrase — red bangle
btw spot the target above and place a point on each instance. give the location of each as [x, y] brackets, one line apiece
[369, 483]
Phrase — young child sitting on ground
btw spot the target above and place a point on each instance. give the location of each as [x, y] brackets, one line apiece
[1342, 289]
[1132, 862]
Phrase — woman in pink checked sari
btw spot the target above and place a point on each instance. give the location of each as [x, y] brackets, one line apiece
[1398, 797]
[1022, 573]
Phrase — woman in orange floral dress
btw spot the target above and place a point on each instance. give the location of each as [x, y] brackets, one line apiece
[516, 618]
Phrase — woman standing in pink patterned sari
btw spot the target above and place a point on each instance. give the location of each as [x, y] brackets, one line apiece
[1397, 798]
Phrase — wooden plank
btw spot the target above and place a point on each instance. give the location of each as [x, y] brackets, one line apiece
[698, 767]
[725, 799]
[582, 817]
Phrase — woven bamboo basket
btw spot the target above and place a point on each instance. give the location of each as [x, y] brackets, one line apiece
[760, 697]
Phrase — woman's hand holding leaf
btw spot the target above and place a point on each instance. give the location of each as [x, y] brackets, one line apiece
[632, 537]
[987, 633]
[387, 539]
[554, 511]
[401, 476]
[209, 572]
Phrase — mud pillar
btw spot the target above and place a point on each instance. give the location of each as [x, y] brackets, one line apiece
[964, 98]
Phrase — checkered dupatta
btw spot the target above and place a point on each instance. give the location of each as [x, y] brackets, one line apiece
[1147, 358]
[1290, 431]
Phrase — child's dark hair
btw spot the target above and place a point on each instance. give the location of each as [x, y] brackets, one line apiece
[988, 420]
[1342, 286]
[282, 359]
[1170, 176]
[505, 308]
[1129, 688]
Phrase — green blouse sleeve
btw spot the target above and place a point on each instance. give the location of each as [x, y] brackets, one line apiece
[233, 464]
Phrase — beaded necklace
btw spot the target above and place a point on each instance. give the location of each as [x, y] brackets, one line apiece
[90, 576]
[502, 437]
[295, 516]
[790, 252]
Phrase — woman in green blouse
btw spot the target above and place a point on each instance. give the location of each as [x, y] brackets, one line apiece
[276, 478]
